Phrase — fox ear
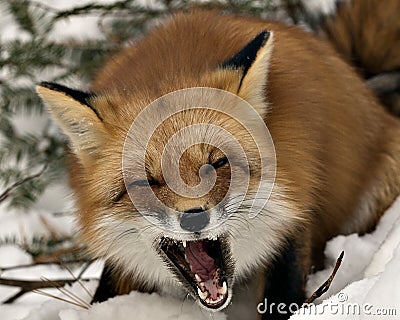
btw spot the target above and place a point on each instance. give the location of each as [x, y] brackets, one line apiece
[253, 62]
[72, 111]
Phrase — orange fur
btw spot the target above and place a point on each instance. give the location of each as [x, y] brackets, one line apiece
[338, 151]
[366, 34]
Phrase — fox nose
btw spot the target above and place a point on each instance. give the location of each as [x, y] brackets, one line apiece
[194, 219]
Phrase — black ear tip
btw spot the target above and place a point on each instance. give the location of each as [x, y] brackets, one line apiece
[262, 37]
[57, 87]
[48, 85]
[265, 35]
[76, 94]
[81, 96]
[245, 57]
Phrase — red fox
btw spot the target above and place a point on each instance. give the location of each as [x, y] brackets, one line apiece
[337, 160]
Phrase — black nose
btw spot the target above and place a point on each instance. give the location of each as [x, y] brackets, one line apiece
[194, 219]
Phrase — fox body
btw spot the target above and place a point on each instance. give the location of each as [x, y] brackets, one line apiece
[337, 160]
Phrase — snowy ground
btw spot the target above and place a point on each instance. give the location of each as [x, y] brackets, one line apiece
[367, 283]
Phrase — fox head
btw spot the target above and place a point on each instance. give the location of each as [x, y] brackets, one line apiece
[164, 185]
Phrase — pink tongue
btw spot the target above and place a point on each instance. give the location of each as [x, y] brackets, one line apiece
[199, 260]
[212, 287]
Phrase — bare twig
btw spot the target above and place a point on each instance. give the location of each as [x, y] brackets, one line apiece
[325, 286]
[57, 262]
[14, 297]
[54, 233]
[27, 286]
[78, 278]
[31, 285]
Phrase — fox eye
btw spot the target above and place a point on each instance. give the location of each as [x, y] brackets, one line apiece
[143, 183]
[220, 162]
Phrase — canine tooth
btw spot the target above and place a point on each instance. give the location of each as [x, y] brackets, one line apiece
[184, 244]
[198, 279]
[224, 288]
[202, 295]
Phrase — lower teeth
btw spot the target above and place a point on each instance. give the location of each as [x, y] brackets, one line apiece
[211, 301]
[224, 288]
[202, 295]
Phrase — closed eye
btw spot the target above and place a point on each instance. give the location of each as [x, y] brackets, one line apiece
[220, 163]
[137, 183]
[143, 183]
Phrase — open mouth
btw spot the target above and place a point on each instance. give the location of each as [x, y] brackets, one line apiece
[202, 264]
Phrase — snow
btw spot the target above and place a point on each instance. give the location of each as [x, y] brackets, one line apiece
[368, 275]
[20, 257]
[320, 7]
[9, 29]
[143, 306]
[40, 220]
[367, 280]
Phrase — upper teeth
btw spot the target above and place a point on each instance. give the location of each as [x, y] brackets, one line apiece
[198, 279]
[184, 244]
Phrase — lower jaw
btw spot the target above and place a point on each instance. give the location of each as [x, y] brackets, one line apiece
[224, 282]
[217, 307]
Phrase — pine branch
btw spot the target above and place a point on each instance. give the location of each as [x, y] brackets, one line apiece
[95, 7]
[11, 188]
[39, 56]
[43, 6]
[295, 10]
[20, 10]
